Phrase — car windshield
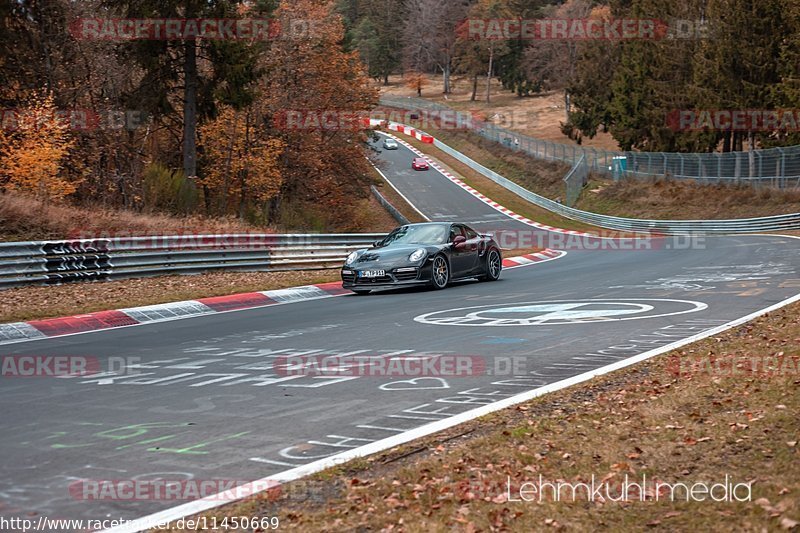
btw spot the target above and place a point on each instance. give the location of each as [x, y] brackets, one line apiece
[425, 234]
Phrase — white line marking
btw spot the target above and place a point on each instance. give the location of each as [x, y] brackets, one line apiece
[559, 318]
[212, 502]
[403, 196]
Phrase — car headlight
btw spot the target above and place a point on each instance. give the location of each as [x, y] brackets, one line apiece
[350, 258]
[417, 254]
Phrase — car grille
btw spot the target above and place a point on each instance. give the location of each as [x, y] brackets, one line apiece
[372, 281]
[405, 276]
[348, 278]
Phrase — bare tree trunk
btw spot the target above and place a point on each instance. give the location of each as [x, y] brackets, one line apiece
[567, 106]
[446, 77]
[489, 75]
[190, 110]
[474, 95]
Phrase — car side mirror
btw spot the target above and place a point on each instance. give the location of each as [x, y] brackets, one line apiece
[376, 244]
[459, 241]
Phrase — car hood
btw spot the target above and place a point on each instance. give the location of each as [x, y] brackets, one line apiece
[388, 256]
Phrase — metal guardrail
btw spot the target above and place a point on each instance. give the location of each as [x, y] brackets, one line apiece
[775, 167]
[668, 227]
[396, 214]
[53, 262]
[575, 180]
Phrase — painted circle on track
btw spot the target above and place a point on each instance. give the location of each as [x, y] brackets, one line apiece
[557, 312]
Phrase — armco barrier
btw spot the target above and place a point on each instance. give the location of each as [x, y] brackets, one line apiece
[397, 215]
[51, 262]
[786, 222]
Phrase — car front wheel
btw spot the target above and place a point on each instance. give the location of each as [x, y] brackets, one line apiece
[440, 272]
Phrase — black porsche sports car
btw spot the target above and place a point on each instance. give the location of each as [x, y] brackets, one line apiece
[431, 253]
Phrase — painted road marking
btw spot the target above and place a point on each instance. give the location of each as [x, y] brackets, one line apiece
[214, 501]
[427, 383]
[561, 312]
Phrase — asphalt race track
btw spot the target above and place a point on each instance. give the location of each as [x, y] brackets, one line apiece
[206, 402]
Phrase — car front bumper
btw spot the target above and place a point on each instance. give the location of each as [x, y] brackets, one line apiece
[395, 277]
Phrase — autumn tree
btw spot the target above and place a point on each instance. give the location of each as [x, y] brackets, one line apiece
[33, 150]
[415, 80]
[242, 169]
[324, 169]
[189, 76]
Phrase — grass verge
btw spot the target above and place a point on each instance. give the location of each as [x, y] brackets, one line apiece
[23, 219]
[677, 418]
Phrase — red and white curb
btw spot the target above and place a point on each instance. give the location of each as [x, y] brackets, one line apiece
[101, 320]
[529, 259]
[402, 128]
[14, 332]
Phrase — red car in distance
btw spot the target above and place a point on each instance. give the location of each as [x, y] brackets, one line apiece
[419, 163]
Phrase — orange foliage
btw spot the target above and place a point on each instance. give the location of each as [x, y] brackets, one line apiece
[416, 81]
[33, 151]
[241, 160]
[324, 167]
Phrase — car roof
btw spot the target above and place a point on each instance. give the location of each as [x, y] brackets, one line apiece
[428, 224]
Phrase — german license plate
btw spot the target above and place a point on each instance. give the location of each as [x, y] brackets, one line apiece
[371, 273]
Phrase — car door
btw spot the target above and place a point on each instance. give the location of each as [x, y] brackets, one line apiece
[474, 247]
[461, 258]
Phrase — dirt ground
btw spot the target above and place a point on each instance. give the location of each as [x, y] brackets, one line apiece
[539, 116]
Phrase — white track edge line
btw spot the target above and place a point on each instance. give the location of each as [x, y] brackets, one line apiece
[403, 196]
